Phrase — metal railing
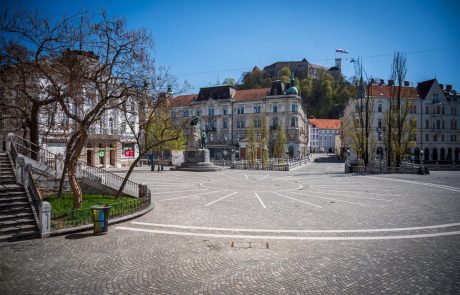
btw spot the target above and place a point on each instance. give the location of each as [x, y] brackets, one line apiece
[33, 193]
[33, 151]
[108, 179]
[77, 217]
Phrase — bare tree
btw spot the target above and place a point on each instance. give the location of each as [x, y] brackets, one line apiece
[157, 129]
[359, 126]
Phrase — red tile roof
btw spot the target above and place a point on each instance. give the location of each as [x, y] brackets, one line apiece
[182, 100]
[325, 123]
[391, 91]
[240, 96]
[424, 87]
[251, 94]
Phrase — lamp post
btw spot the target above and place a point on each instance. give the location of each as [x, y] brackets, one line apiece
[421, 161]
[379, 134]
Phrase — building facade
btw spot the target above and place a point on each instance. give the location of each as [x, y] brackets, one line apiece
[432, 108]
[110, 140]
[225, 114]
[439, 116]
[322, 135]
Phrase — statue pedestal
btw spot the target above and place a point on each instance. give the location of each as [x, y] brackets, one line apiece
[198, 160]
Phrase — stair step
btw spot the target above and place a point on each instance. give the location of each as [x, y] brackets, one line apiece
[10, 187]
[17, 222]
[13, 199]
[18, 228]
[12, 237]
[13, 215]
[5, 194]
[14, 207]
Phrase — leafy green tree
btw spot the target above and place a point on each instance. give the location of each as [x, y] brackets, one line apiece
[264, 141]
[280, 142]
[284, 74]
[229, 81]
[251, 145]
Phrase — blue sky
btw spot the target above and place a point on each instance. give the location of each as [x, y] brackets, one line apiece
[206, 41]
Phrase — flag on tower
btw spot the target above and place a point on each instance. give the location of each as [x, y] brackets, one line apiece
[341, 51]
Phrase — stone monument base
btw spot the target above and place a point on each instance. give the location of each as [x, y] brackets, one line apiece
[198, 161]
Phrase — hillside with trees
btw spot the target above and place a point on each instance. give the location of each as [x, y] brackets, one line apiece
[324, 97]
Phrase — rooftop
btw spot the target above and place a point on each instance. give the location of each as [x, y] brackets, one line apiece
[325, 123]
[391, 91]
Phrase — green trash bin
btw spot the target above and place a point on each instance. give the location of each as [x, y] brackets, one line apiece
[100, 215]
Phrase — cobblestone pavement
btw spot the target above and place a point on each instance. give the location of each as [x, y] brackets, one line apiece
[313, 230]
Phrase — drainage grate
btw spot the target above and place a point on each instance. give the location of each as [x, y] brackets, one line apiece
[249, 245]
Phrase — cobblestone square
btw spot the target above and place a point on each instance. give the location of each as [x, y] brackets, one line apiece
[313, 230]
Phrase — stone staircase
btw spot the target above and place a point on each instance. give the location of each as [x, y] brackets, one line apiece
[17, 221]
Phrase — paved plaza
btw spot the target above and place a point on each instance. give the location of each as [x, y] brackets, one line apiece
[313, 230]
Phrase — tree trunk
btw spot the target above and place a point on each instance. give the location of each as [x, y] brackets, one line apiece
[77, 193]
[72, 164]
[34, 131]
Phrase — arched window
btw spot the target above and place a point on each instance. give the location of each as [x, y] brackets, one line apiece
[294, 121]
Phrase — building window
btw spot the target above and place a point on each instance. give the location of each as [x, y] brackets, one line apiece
[128, 150]
[379, 123]
[240, 123]
[427, 138]
[443, 125]
[240, 110]
[438, 124]
[275, 122]
[225, 124]
[453, 125]
[225, 111]
[198, 113]
[111, 125]
[379, 108]
[438, 110]
[427, 110]
[275, 108]
[442, 110]
[435, 137]
[123, 128]
[210, 112]
[294, 107]
[294, 122]
[173, 114]
[257, 123]
[211, 125]
[454, 111]
[442, 137]
[453, 138]
[257, 109]
[185, 113]
[427, 124]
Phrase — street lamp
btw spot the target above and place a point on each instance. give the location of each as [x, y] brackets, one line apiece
[379, 134]
[421, 161]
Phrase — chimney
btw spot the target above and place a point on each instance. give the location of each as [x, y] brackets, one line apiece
[391, 82]
[448, 87]
[441, 86]
[406, 83]
[382, 82]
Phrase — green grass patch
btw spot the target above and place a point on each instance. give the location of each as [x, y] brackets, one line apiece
[61, 206]
[63, 215]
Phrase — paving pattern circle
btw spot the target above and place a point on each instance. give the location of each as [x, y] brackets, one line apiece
[313, 230]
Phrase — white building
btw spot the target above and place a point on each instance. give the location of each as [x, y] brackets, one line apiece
[322, 133]
[435, 111]
[440, 116]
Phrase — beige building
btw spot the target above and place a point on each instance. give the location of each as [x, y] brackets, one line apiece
[225, 115]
